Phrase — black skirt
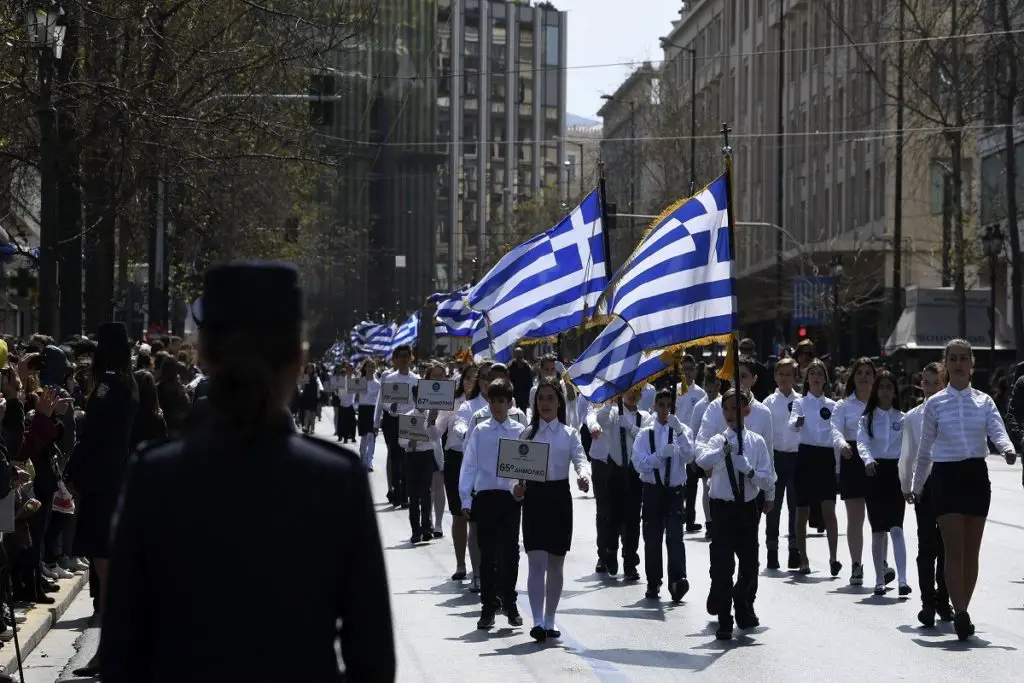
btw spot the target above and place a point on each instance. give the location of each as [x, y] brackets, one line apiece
[961, 487]
[347, 422]
[853, 480]
[547, 517]
[815, 476]
[452, 469]
[884, 496]
[366, 419]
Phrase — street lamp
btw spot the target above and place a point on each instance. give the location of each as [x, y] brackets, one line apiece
[992, 243]
[45, 28]
[836, 266]
[693, 108]
[632, 157]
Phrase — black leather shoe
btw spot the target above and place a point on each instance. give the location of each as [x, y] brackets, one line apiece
[963, 626]
[678, 589]
[794, 559]
[600, 568]
[724, 631]
[747, 619]
[485, 622]
[773, 559]
[553, 633]
[653, 593]
[927, 617]
[427, 537]
[693, 528]
[514, 618]
[539, 634]
[945, 611]
[86, 672]
[835, 566]
[612, 565]
[459, 576]
[631, 574]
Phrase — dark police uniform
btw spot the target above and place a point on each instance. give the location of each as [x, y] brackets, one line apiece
[191, 508]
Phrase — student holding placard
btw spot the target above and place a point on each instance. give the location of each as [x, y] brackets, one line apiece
[418, 437]
[436, 372]
[366, 402]
[493, 504]
[547, 505]
[394, 399]
[452, 466]
[346, 423]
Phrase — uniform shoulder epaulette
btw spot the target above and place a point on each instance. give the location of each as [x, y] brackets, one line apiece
[334, 448]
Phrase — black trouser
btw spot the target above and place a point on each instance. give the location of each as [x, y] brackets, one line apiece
[497, 516]
[37, 525]
[663, 518]
[693, 475]
[931, 555]
[600, 471]
[419, 475]
[733, 540]
[396, 460]
[623, 495]
[785, 470]
[57, 537]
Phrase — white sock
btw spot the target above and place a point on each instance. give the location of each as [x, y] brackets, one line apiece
[538, 561]
[878, 549]
[474, 549]
[899, 552]
[553, 589]
[437, 493]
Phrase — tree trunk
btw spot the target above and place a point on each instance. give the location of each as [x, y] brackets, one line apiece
[1009, 96]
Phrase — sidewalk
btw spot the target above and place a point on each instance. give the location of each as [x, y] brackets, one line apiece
[39, 620]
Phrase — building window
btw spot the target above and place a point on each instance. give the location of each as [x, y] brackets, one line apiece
[550, 46]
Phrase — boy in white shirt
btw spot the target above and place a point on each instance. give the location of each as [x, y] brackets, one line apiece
[420, 465]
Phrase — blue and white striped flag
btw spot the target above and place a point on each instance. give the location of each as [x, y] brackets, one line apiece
[454, 317]
[544, 286]
[408, 333]
[676, 290]
[378, 340]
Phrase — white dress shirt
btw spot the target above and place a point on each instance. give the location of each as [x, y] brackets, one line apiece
[433, 444]
[446, 424]
[847, 414]
[887, 428]
[754, 471]
[685, 403]
[817, 429]
[369, 397]
[346, 396]
[564, 446]
[484, 413]
[599, 447]
[699, 410]
[464, 417]
[913, 421]
[620, 430]
[480, 459]
[410, 378]
[784, 439]
[956, 424]
[759, 421]
[678, 452]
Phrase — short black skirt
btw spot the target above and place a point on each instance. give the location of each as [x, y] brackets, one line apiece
[884, 496]
[853, 480]
[815, 476]
[961, 487]
[365, 419]
[452, 468]
[347, 420]
[547, 517]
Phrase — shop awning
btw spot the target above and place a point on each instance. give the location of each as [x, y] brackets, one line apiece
[924, 328]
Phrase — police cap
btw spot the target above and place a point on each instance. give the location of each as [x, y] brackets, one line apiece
[250, 293]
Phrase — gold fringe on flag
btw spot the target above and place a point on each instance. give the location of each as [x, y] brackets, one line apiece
[727, 370]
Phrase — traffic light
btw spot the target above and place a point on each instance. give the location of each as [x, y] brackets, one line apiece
[802, 332]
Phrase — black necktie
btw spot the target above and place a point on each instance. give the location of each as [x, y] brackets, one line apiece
[731, 471]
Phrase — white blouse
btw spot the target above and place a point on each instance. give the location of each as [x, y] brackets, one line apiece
[446, 423]
[369, 397]
[887, 440]
[564, 447]
[818, 428]
[847, 414]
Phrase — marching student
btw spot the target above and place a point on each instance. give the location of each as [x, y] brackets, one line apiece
[421, 461]
[957, 421]
[737, 479]
[689, 395]
[661, 454]
[436, 371]
[600, 468]
[387, 420]
[494, 506]
[712, 390]
[621, 485]
[853, 480]
[786, 443]
[817, 466]
[366, 404]
[346, 410]
[547, 506]
[931, 556]
[452, 467]
[879, 440]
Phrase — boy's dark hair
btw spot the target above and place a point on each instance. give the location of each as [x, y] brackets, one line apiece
[402, 348]
[664, 393]
[743, 394]
[500, 368]
[750, 364]
[500, 388]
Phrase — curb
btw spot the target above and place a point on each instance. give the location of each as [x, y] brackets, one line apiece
[38, 622]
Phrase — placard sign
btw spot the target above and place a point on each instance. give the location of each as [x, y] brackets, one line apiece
[395, 392]
[526, 460]
[413, 428]
[356, 385]
[436, 394]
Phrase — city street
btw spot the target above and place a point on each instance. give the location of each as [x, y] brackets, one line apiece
[813, 628]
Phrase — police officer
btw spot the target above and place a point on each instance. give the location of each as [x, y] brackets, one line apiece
[247, 480]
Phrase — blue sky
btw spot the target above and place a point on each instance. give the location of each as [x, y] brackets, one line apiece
[609, 31]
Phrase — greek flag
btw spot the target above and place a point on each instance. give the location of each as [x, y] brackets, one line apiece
[544, 286]
[454, 317]
[408, 333]
[378, 340]
[676, 290]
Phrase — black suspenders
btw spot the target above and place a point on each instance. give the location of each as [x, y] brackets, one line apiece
[668, 465]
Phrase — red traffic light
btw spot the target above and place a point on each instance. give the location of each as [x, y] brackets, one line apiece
[802, 332]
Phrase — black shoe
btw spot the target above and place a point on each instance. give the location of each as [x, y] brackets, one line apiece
[963, 626]
[631, 574]
[512, 612]
[905, 590]
[747, 619]
[710, 607]
[653, 592]
[945, 611]
[724, 631]
[678, 589]
[835, 566]
[437, 534]
[820, 530]
[927, 617]
[539, 634]
[427, 537]
[486, 620]
[794, 559]
[600, 568]
[86, 672]
[889, 575]
[459, 576]
[553, 633]
[415, 539]
[612, 565]
[42, 599]
[693, 528]
[773, 559]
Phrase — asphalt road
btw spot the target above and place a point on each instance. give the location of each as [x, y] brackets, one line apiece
[813, 628]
